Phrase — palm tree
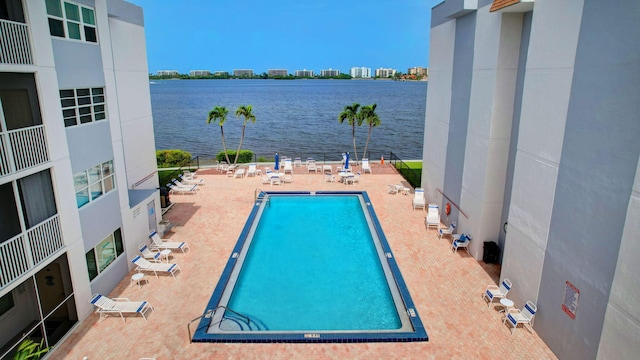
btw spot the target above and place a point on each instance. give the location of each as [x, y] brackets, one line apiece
[219, 114]
[369, 116]
[350, 113]
[244, 111]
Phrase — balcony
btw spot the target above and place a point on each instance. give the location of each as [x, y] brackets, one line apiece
[22, 148]
[25, 251]
[14, 43]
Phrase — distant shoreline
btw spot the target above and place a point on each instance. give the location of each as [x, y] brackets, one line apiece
[154, 77]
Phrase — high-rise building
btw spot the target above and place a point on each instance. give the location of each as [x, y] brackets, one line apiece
[418, 71]
[243, 72]
[78, 182]
[304, 73]
[278, 72]
[532, 132]
[329, 73]
[360, 72]
[199, 73]
[167, 73]
[385, 72]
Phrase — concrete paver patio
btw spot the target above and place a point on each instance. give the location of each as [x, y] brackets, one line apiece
[446, 287]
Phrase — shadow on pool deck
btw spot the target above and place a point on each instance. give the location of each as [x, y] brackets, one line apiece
[446, 287]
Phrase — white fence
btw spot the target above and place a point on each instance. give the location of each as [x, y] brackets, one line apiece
[23, 252]
[14, 43]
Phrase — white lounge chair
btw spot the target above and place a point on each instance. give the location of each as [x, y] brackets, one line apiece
[190, 181]
[312, 167]
[366, 166]
[149, 254]
[524, 317]
[419, 200]
[433, 216]
[448, 231]
[494, 292]
[288, 166]
[180, 184]
[175, 189]
[144, 265]
[120, 306]
[158, 243]
[392, 189]
[239, 173]
[461, 241]
[251, 171]
[189, 175]
[297, 162]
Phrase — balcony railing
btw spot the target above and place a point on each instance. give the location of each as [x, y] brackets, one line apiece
[21, 253]
[22, 148]
[14, 43]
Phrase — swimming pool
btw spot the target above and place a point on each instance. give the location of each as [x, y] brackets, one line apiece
[311, 267]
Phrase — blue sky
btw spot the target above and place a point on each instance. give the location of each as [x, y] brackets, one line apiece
[290, 34]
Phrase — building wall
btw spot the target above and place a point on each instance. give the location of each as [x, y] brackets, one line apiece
[551, 148]
[596, 175]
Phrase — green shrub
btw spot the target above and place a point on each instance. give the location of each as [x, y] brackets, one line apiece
[245, 156]
[172, 158]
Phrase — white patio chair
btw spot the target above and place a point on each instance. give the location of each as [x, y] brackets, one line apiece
[524, 317]
[448, 231]
[288, 166]
[461, 241]
[392, 189]
[494, 292]
[366, 166]
[159, 243]
[251, 171]
[144, 265]
[419, 200]
[149, 254]
[433, 216]
[190, 181]
[120, 306]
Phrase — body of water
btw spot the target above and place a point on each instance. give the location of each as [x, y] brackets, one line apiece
[293, 117]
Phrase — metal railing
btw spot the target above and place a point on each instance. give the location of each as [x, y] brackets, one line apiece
[22, 148]
[14, 43]
[24, 251]
[413, 176]
[209, 314]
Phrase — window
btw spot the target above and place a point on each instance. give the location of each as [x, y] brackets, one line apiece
[71, 20]
[6, 303]
[94, 182]
[100, 257]
[81, 106]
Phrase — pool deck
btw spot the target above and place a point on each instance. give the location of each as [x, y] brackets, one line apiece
[446, 287]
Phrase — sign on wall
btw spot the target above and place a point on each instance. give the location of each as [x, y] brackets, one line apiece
[570, 302]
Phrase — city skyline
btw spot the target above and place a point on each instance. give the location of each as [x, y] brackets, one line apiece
[322, 35]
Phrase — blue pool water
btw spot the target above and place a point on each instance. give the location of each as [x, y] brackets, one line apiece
[310, 272]
[311, 268]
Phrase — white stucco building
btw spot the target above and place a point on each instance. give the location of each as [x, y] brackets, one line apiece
[78, 182]
[532, 131]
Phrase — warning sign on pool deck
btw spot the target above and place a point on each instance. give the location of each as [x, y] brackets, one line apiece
[570, 302]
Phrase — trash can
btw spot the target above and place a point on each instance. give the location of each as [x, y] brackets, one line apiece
[491, 252]
[164, 197]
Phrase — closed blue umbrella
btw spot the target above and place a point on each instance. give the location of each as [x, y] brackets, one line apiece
[346, 161]
[276, 167]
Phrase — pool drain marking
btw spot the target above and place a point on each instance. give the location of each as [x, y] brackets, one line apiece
[389, 256]
[411, 312]
[235, 255]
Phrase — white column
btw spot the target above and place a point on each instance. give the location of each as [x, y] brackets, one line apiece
[436, 127]
[547, 87]
[497, 48]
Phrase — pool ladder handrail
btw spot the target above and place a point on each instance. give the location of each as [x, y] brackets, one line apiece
[259, 193]
[209, 314]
